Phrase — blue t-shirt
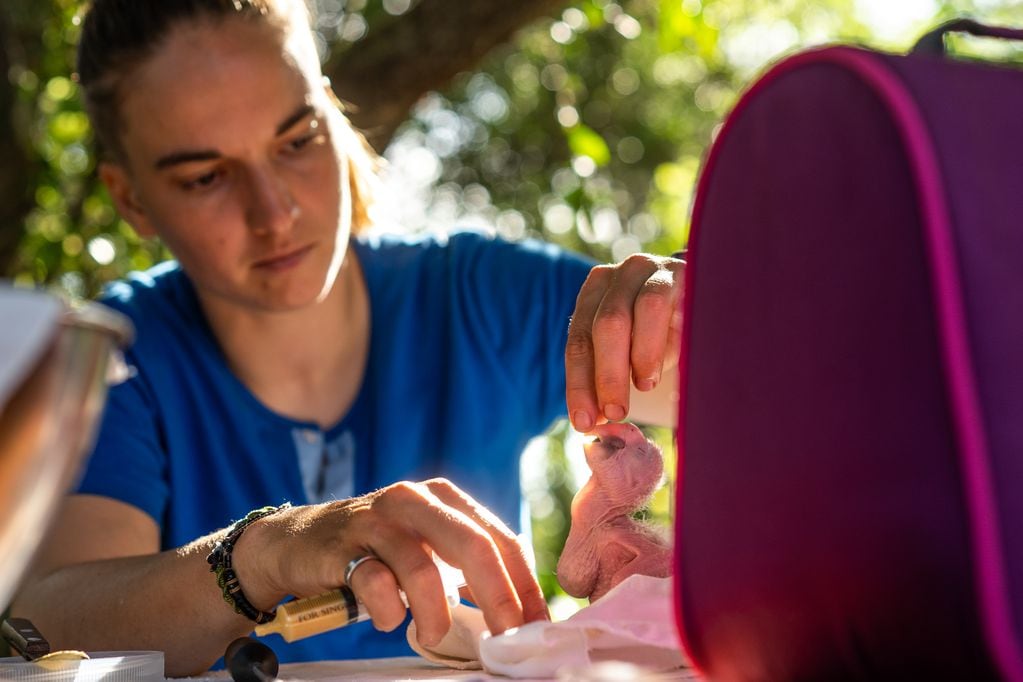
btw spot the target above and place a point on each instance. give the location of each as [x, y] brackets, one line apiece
[466, 364]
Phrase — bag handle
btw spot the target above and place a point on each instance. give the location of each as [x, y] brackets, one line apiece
[933, 42]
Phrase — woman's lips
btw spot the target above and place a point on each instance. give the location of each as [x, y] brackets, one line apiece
[284, 261]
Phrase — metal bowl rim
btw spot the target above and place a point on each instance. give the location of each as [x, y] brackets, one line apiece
[90, 315]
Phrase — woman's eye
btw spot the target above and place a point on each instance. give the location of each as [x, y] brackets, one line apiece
[204, 181]
[300, 143]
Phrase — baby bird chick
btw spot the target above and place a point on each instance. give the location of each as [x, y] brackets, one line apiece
[605, 544]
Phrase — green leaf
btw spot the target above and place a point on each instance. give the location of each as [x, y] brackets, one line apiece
[584, 141]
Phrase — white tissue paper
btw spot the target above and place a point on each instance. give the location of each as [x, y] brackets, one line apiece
[634, 623]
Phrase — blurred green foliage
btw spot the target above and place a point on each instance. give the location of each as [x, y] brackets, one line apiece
[73, 240]
[587, 131]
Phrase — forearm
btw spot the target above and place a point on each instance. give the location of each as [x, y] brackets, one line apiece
[167, 602]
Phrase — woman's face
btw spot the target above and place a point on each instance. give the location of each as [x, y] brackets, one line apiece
[229, 159]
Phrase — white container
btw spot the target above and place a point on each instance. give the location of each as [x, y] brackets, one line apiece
[103, 666]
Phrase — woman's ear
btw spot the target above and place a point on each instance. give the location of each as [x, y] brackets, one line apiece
[122, 192]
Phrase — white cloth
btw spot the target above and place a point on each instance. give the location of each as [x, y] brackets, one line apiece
[460, 648]
[634, 623]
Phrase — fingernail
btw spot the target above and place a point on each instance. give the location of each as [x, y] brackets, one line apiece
[645, 384]
[582, 421]
[614, 412]
[430, 641]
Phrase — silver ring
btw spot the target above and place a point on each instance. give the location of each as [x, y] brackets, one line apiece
[354, 564]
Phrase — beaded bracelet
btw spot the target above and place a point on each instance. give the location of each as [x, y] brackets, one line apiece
[220, 564]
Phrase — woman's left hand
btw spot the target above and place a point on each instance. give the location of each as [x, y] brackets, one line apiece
[625, 332]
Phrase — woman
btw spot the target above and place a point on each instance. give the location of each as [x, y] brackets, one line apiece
[283, 358]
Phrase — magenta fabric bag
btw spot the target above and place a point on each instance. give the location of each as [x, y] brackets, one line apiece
[850, 496]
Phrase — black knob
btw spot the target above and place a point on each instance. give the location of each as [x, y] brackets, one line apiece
[250, 661]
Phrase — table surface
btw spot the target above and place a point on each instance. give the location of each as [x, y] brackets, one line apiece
[415, 668]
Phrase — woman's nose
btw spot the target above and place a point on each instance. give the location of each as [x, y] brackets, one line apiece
[271, 207]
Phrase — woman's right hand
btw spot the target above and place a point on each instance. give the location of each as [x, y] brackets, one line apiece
[303, 551]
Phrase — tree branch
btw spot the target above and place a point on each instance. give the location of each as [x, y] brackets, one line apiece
[384, 74]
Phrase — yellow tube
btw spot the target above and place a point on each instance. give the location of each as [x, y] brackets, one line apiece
[310, 616]
[303, 618]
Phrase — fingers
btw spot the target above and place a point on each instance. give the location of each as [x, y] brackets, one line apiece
[376, 586]
[443, 526]
[404, 526]
[613, 334]
[580, 393]
[626, 324]
[405, 562]
[534, 606]
[657, 328]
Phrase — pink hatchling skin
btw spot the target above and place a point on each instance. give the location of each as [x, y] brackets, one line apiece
[605, 544]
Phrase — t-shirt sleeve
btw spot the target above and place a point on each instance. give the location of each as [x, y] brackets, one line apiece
[128, 462]
[522, 295]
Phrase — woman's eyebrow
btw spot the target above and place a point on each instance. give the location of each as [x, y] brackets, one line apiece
[176, 158]
[191, 156]
[298, 115]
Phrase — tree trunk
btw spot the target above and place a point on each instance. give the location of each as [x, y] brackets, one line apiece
[385, 73]
[16, 165]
